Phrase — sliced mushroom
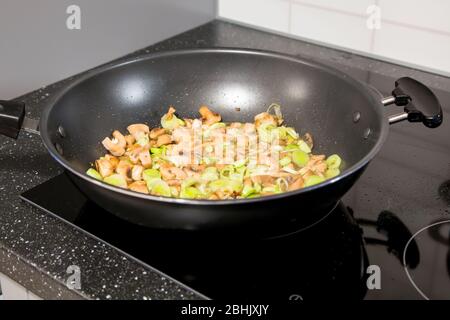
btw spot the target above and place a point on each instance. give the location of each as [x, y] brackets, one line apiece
[297, 184]
[170, 112]
[197, 167]
[320, 167]
[191, 173]
[196, 124]
[208, 116]
[166, 173]
[318, 157]
[156, 132]
[235, 125]
[249, 128]
[163, 140]
[305, 172]
[124, 169]
[138, 130]
[188, 123]
[264, 180]
[179, 173]
[133, 153]
[117, 145]
[265, 117]
[173, 182]
[130, 140]
[145, 158]
[113, 160]
[104, 167]
[182, 134]
[309, 140]
[136, 172]
[139, 186]
[119, 138]
[169, 172]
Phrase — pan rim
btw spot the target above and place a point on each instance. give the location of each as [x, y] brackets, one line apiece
[384, 124]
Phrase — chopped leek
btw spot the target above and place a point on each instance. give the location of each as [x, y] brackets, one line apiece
[157, 151]
[174, 192]
[94, 174]
[160, 188]
[214, 126]
[239, 163]
[190, 193]
[268, 190]
[116, 180]
[259, 170]
[291, 147]
[253, 195]
[333, 161]
[292, 133]
[247, 190]
[265, 132]
[227, 171]
[290, 170]
[210, 174]
[332, 172]
[285, 161]
[304, 147]
[300, 158]
[151, 174]
[225, 185]
[217, 125]
[312, 180]
[189, 182]
[171, 122]
[281, 185]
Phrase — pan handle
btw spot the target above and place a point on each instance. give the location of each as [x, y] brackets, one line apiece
[12, 119]
[421, 105]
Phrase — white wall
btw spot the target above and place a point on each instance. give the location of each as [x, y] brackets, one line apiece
[36, 47]
[414, 32]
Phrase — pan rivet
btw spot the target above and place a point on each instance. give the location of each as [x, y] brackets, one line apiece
[61, 131]
[367, 133]
[356, 116]
[59, 148]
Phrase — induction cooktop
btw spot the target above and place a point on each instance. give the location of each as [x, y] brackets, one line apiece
[327, 260]
[389, 237]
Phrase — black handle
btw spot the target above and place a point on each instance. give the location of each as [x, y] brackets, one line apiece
[421, 105]
[12, 114]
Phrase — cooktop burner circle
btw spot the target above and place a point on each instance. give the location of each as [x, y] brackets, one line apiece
[434, 268]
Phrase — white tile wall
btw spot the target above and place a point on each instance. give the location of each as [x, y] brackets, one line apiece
[420, 47]
[270, 14]
[351, 6]
[339, 28]
[433, 15]
[414, 32]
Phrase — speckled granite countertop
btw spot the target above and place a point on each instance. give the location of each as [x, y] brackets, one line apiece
[36, 249]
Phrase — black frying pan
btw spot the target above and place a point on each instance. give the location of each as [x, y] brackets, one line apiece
[343, 115]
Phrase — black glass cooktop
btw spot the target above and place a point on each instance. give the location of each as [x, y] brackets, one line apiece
[327, 260]
[281, 267]
[389, 238]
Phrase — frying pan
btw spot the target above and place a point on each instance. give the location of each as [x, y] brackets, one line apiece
[343, 115]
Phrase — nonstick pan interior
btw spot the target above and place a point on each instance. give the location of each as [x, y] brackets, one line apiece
[238, 84]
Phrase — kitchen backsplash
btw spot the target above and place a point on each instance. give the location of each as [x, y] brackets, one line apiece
[48, 40]
[413, 32]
